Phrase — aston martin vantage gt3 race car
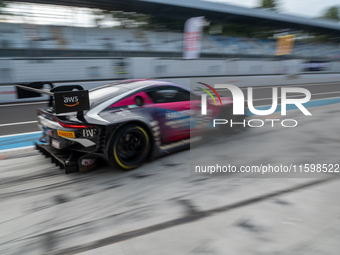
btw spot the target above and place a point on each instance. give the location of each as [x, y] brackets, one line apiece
[125, 123]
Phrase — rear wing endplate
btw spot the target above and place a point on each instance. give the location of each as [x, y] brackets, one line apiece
[65, 99]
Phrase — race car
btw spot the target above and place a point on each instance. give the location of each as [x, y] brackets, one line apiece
[123, 123]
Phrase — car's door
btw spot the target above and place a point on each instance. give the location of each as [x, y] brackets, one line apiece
[171, 108]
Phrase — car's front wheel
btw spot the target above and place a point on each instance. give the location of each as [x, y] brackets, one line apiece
[130, 147]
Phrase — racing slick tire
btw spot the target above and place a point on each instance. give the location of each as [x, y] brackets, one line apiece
[130, 147]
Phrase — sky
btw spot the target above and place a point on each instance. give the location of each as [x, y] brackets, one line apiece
[306, 8]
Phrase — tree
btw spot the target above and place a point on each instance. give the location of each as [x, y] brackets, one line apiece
[269, 5]
[332, 13]
[137, 20]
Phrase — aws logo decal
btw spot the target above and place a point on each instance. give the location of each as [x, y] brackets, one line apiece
[71, 101]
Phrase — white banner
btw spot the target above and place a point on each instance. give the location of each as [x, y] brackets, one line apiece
[192, 37]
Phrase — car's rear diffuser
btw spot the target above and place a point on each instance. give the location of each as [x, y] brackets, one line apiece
[67, 161]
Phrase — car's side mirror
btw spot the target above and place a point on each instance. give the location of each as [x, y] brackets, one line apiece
[139, 101]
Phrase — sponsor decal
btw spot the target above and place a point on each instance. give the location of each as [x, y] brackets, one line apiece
[179, 119]
[71, 101]
[88, 162]
[72, 104]
[177, 123]
[285, 44]
[123, 112]
[192, 37]
[177, 115]
[89, 132]
[66, 134]
[55, 144]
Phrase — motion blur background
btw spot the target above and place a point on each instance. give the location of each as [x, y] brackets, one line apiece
[159, 208]
[84, 40]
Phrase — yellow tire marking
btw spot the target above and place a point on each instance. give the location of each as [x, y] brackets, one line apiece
[115, 153]
[118, 161]
[146, 135]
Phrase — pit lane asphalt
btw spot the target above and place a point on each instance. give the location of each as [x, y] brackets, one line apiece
[11, 116]
[160, 208]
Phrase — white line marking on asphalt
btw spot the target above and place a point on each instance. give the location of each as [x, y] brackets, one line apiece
[16, 149]
[18, 123]
[6, 105]
[29, 133]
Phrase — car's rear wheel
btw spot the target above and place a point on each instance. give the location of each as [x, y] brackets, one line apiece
[130, 147]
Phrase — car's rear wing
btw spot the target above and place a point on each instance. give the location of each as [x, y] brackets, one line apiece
[65, 99]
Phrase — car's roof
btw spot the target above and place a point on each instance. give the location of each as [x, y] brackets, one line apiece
[128, 85]
[110, 91]
[135, 84]
[106, 95]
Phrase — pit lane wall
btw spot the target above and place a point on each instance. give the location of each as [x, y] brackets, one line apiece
[238, 72]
